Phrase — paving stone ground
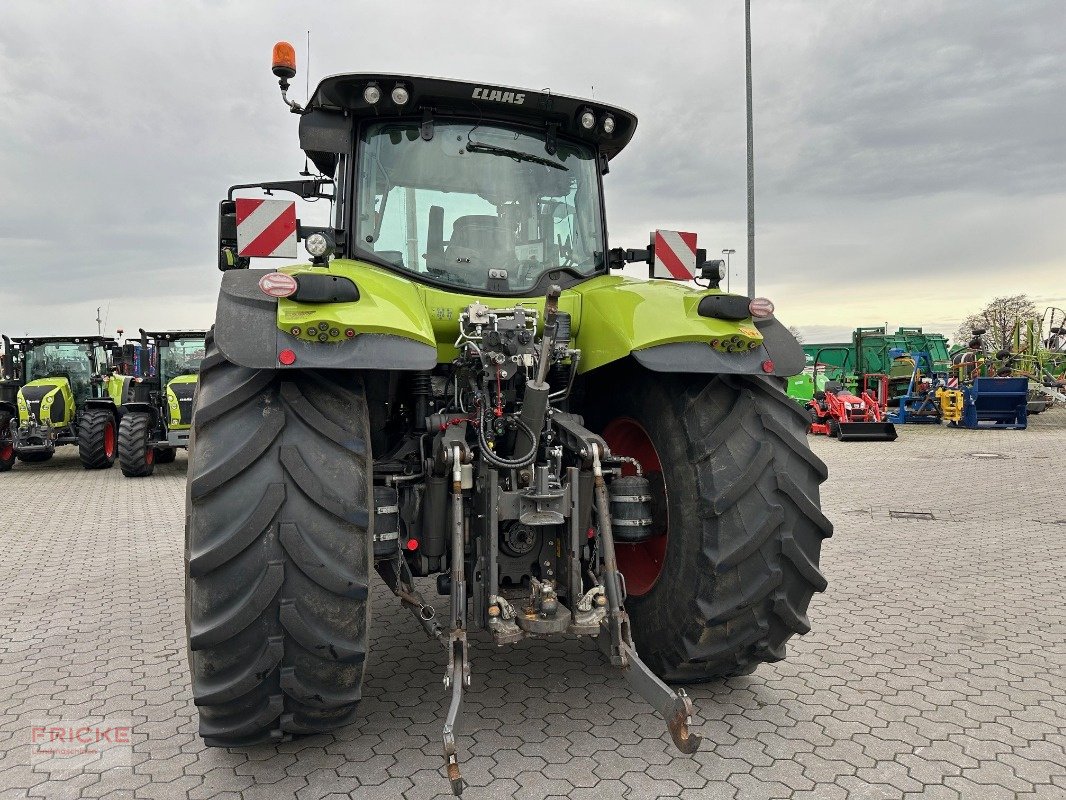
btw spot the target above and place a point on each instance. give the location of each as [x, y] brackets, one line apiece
[936, 667]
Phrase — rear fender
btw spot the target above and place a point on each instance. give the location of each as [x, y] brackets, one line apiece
[660, 325]
[247, 330]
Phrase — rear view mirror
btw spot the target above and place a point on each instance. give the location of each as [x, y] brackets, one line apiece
[227, 238]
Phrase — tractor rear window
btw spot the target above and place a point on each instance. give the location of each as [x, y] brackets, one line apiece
[478, 202]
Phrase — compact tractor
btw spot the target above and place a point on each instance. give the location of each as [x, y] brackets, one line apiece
[66, 394]
[459, 386]
[157, 418]
[836, 411]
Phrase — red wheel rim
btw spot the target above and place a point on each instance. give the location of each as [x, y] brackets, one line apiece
[109, 440]
[7, 452]
[149, 455]
[641, 563]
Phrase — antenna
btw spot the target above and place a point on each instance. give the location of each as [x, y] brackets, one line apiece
[751, 157]
[307, 98]
[99, 323]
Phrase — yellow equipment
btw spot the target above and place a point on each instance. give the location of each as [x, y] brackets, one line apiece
[951, 401]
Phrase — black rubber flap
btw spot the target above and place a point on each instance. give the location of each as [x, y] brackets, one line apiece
[311, 288]
[724, 306]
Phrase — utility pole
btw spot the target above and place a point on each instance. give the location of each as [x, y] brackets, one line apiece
[751, 158]
[728, 270]
[99, 323]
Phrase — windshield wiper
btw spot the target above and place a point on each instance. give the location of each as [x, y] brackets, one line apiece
[518, 155]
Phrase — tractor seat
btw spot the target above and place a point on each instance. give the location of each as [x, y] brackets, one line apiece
[479, 240]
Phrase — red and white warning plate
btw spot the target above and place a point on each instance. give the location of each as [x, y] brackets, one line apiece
[675, 255]
[266, 228]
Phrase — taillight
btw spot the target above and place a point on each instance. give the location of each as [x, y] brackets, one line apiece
[277, 284]
[761, 307]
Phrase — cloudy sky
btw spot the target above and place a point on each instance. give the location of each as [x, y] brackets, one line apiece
[910, 154]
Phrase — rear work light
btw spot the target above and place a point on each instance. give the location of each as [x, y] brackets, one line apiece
[277, 284]
[761, 307]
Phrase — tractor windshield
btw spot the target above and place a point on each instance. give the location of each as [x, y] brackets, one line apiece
[181, 357]
[61, 360]
[479, 205]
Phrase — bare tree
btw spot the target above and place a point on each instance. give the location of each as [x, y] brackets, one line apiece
[998, 319]
[796, 332]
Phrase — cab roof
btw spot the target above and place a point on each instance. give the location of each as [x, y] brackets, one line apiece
[170, 336]
[32, 341]
[337, 102]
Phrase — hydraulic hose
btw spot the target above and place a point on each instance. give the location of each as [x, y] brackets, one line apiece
[507, 463]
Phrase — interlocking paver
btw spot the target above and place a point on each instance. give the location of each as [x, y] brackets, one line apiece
[935, 668]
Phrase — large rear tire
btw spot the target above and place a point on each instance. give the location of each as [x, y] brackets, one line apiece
[136, 458]
[277, 550]
[7, 448]
[97, 442]
[727, 582]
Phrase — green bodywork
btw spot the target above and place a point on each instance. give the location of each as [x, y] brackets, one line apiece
[56, 402]
[117, 387]
[611, 316]
[174, 422]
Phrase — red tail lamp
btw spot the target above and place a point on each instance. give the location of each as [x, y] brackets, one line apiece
[287, 357]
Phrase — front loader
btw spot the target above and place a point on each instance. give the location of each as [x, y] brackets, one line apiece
[66, 395]
[157, 419]
[460, 386]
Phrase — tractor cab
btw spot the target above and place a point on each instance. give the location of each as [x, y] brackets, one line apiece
[65, 395]
[454, 184]
[156, 421]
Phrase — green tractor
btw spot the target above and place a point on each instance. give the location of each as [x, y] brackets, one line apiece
[457, 387]
[66, 394]
[157, 418]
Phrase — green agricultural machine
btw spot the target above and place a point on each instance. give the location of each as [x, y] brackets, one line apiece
[457, 387]
[157, 419]
[66, 394]
[867, 363]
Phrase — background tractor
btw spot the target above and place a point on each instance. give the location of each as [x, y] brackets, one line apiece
[66, 395]
[457, 387]
[157, 419]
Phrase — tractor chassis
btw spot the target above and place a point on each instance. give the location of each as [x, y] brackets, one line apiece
[597, 612]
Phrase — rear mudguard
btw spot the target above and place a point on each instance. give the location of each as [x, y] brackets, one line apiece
[247, 332]
[394, 323]
[659, 324]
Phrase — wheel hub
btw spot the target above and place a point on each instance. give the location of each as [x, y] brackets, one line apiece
[641, 562]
